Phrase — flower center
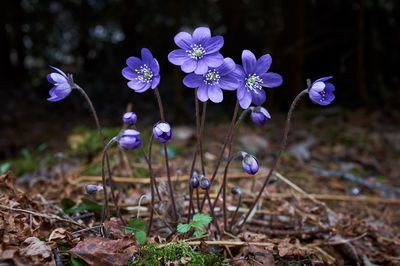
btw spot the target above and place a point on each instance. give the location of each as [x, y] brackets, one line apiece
[211, 77]
[144, 74]
[253, 82]
[196, 51]
[323, 96]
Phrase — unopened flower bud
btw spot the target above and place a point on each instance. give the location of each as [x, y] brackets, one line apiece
[204, 183]
[129, 139]
[236, 191]
[194, 181]
[259, 115]
[162, 132]
[93, 188]
[250, 164]
[129, 118]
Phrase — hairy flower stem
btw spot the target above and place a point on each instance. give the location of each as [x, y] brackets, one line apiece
[102, 139]
[105, 204]
[281, 149]
[162, 117]
[236, 212]
[223, 187]
[227, 137]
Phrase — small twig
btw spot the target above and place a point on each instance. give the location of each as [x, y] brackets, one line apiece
[227, 243]
[88, 229]
[52, 216]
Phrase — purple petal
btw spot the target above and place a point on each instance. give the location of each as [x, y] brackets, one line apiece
[147, 57]
[246, 100]
[215, 94]
[259, 97]
[323, 79]
[228, 82]
[133, 62]
[329, 87]
[59, 92]
[241, 92]
[227, 67]
[155, 81]
[56, 78]
[145, 87]
[155, 67]
[271, 80]
[189, 66]
[214, 44]
[183, 40]
[201, 67]
[239, 72]
[263, 64]
[202, 93]
[165, 127]
[318, 86]
[136, 85]
[213, 60]
[193, 81]
[249, 62]
[201, 34]
[265, 112]
[128, 73]
[130, 132]
[59, 71]
[178, 57]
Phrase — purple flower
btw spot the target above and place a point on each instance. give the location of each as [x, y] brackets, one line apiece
[321, 92]
[252, 77]
[142, 73]
[259, 115]
[198, 51]
[129, 139]
[236, 191]
[249, 164]
[194, 181]
[62, 85]
[204, 183]
[129, 118]
[162, 132]
[210, 84]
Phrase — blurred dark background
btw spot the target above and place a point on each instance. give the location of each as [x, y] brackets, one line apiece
[356, 41]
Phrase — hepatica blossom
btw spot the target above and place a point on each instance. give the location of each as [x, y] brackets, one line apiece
[210, 83]
[198, 51]
[142, 73]
[321, 92]
[252, 77]
[62, 85]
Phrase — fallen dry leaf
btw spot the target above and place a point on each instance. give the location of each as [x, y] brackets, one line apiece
[103, 251]
[286, 248]
[37, 251]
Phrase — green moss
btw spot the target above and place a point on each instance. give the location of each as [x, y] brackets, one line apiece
[158, 256]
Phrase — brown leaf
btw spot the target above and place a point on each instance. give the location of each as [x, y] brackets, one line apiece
[250, 254]
[114, 229]
[103, 251]
[286, 248]
[37, 251]
[60, 233]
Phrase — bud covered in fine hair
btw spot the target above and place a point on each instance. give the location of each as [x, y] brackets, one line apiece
[129, 139]
[259, 115]
[93, 188]
[129, 118]
[194, 180]
[162, 132]
[249, 164]
[236, 191]
[204, 183]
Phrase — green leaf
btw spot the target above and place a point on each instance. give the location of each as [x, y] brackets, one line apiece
[4, 167]
[141, 237]
[129, 230]
[137, 224]
[183, 228]
[77, 262]
[201, 219]
[198, 233]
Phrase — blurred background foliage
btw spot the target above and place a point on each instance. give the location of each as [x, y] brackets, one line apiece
[356, 41]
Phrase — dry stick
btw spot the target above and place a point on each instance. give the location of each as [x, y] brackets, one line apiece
[38, 214]
[162, 117]
[190, 186]
[276, 161]
[236, 212]
[235, 112]
[102, 139]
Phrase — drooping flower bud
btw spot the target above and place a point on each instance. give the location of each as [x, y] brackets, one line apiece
[321, 92]
[204, 183]
[129, 118]
[236, 191]
[194, 181]
[93, 188]
[250, 164]
[259, 115]
[129, 139]
[162, 132]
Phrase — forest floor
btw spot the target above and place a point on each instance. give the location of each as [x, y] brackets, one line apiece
[334, 199]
